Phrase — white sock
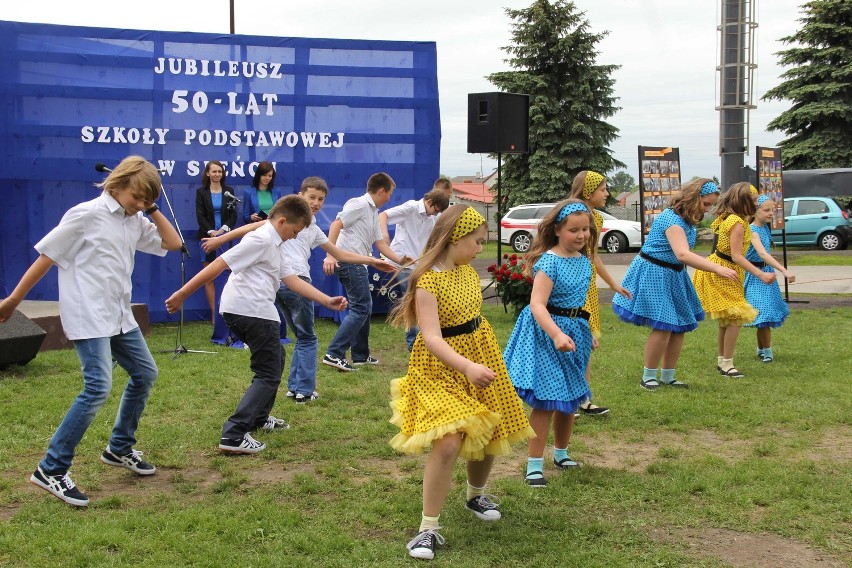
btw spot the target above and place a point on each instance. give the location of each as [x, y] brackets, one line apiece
[427, 523]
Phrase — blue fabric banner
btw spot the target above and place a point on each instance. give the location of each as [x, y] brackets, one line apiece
[72, 97]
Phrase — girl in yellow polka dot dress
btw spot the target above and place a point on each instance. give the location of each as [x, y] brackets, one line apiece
[456, 397]
[721, 298]
[590, 187]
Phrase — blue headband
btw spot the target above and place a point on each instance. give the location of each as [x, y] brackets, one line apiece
[709, 188]
[762, 199]
[571, 208]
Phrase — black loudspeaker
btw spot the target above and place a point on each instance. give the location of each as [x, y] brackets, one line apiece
[20, 340]
[498, 123]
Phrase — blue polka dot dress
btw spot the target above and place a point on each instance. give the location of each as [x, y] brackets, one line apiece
[663, 298]
[545, 378]
[766, 298]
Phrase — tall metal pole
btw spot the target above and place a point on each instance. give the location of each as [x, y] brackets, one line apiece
[499, 207]
[232, 18]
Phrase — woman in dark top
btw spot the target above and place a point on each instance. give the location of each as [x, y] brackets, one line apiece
[216, 214]
[259, 199]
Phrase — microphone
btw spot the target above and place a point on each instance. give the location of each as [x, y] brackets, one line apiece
[102, 167]
[232, 196]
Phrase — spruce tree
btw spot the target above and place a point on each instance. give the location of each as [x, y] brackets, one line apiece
[553, 56]
[819, 84]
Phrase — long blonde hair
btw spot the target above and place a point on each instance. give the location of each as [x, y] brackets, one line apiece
[546, 238]
[687, 202]
[404, 314]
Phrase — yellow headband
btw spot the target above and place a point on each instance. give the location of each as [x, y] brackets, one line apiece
[593, 180]
[469, 221]
[753, 190]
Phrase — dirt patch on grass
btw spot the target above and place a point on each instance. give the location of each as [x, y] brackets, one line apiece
[746, 550]
[835, 446]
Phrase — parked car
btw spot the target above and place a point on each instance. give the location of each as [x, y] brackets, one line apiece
[815, 221]
[519, 226]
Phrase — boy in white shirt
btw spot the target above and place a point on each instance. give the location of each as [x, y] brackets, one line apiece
[94, 247]
[357, 226]
[414, 220]
[298, 310]
[248, 307]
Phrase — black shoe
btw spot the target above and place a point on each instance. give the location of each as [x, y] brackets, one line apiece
[246, 445]
[423, 545]
[303, 398]
[593, 410]
[484, 508]
[566, 463]
[340, 364]
[368, 361]
[132, 461]
[61, 486]
[538, 481]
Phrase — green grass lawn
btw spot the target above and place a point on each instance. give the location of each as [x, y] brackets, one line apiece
[766, 457]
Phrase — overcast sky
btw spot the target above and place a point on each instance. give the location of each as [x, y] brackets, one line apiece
[667, 50]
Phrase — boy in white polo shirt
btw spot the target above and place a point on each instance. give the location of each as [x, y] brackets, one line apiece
[94, 247]
[414, 220]
[248, 307]
[357, 226]
[297, 309]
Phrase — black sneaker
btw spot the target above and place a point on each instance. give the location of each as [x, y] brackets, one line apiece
[593, 409]
[423, 545]
[368, 361]
[247, 445]
[61, 486]
[341, 365]
[303, 398]
[484, 508]
[132, 461]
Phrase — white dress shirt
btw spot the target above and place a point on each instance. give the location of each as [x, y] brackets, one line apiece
[360, 218]
[94, 247]
[297, 251]
[413, 226]
[257, 266]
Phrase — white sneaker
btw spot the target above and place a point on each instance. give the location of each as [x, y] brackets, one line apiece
[273, 423]
[423, 545]
[247, 445]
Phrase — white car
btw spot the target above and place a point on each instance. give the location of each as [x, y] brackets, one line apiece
[519, 226]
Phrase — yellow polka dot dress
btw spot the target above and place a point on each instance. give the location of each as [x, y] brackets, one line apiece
[721, 298]
[592, 305]
[434, 400]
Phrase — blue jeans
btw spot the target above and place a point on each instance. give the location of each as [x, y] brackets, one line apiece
[267, 359]
[400, 286]
[131, 352]
[354, 330]
[299, 315]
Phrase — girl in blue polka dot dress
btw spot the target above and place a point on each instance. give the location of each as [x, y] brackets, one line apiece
[549, 349]
[664, 298]
[766, 298]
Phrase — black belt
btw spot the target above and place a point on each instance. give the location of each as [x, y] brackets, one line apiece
[461, 329]
[758, 263]
[663, 263]
[723, 256]
[569, 312]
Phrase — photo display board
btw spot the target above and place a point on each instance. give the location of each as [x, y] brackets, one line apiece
[659, 177]
[770, 182]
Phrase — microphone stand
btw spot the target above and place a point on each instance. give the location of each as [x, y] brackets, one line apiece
[184, 254]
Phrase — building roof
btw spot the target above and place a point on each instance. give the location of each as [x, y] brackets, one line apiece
[472, 190]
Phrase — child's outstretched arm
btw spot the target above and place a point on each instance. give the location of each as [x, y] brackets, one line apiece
[680, 247]
[385, 249]
[31, 277]
[542, 287]
[329, 264]
[610, 281]
[212, 243]
[353, 258]
[207, 274]
[769, 259]
[426, 306]
[736, 237]
[302, 288]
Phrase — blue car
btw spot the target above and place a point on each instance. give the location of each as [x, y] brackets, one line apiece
[818, 221]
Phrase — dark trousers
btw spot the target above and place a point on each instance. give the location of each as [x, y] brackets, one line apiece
[267, 362]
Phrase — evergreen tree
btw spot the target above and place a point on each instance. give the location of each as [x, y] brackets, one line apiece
[620, 182]
[819, 84]
[553, 56]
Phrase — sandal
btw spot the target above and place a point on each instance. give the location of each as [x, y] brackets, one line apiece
[733, 372]
[650, 384]
[593, 409]
[675, 383]
[566, 463]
